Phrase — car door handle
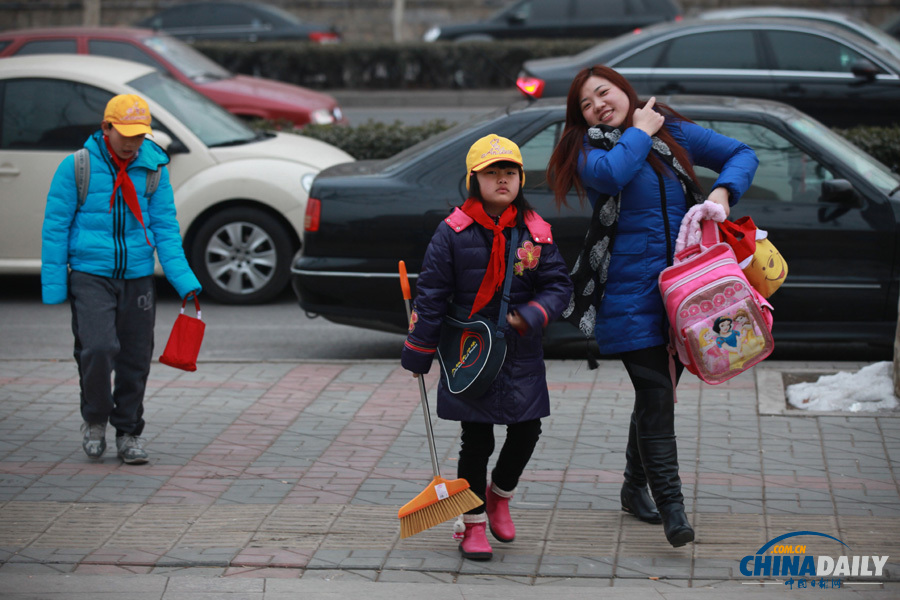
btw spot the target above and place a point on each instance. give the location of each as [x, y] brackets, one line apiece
[671, 88]
[9, 170]
[793, 90]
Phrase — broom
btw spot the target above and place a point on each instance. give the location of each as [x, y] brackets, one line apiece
[442, 499]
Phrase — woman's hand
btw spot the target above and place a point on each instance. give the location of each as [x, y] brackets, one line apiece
[648, 120]
[720, 196]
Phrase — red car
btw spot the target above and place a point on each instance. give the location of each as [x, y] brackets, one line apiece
[246, 97]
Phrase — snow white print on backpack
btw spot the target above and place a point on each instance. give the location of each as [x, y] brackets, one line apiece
[721, 326]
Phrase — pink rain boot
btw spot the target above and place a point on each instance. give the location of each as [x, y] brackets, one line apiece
[497, 502]
[475, 545]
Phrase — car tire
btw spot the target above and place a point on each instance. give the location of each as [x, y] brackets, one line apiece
[241, 255]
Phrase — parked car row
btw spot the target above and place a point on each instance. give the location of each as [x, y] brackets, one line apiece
[244, 96]
[831, 210]
[240, 194]
[825, 71]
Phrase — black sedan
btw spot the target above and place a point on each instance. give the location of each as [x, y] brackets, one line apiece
[830, 209]
[236, 21]
[560, 18]
[825, 71]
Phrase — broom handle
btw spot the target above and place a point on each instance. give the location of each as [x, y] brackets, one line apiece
[404, 285]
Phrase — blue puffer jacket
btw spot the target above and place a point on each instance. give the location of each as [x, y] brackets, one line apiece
[110, 243]
[632, 315]
[454, 266]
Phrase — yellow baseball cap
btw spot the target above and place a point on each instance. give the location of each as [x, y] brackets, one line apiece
[129, 114]
[490, 149]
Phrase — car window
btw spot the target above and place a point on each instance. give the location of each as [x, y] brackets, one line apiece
[536, 155]
[208, 121]
[785, 174]
[796, 51]
[713, 50]
[229, 16]
[48, 47]
[49, 114]
[192, 64]
[122, 50]
[592, 9]
[4, 44]
[645, 59]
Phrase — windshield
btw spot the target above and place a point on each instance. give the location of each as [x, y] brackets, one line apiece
[208, 121]
[876, 173]
[195, 66]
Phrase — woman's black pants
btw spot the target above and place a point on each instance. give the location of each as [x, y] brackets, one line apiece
[651, 454]
[477, 447]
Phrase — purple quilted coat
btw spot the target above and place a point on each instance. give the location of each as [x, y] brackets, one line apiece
[453, 268]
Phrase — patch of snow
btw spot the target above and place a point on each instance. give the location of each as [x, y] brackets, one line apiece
[870, 389]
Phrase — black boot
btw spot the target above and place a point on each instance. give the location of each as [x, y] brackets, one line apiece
[655, 419]
[635, 497]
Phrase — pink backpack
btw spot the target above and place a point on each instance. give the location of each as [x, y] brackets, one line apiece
[721, 326]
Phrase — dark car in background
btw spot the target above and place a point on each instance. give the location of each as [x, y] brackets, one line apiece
[237, 21]
[242, 95]
[830, 209]
[560, 18]
[827, 72]
[877, 36]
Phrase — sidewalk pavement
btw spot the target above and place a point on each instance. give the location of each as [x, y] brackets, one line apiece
[273, 479]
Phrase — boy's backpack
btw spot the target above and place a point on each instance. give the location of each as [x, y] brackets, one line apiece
[83, 176]
[721, 326]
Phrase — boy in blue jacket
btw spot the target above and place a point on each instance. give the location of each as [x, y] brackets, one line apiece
[98, 251]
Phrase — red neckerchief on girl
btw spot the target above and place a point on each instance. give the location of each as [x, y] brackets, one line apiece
[123, 181]
[496, 268]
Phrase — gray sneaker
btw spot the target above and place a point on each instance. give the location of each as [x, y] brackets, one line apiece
[94, 442]
[131, 449]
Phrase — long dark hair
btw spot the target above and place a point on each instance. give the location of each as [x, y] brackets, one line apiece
[521, 204]
[562, 170]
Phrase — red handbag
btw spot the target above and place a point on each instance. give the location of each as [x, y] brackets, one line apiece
[184, 341]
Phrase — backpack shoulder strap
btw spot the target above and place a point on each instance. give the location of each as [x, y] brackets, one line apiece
[82, 173]
[153, 181]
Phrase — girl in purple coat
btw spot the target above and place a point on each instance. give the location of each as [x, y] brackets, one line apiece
[466, 263]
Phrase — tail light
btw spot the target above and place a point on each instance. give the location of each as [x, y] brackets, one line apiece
[324, 37]
[531, 86]
[313, 215]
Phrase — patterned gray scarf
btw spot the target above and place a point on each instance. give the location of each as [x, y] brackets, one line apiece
[592, 266]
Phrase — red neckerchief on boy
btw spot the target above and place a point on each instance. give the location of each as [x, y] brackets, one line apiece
[124, 182]
[496, 268]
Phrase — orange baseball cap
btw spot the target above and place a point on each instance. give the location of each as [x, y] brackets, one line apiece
[129, 114]
[490, 149]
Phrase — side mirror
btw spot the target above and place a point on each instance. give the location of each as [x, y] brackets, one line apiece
[167, 143]
[518, 17]
[864, 70]
[840, 191]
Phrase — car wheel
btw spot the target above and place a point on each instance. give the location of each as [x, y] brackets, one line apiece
[241, 256]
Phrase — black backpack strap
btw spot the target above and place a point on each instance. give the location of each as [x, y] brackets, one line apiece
[507, 281]
[82, 173]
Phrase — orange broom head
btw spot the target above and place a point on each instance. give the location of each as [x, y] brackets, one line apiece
[440, 501]
[429, 495]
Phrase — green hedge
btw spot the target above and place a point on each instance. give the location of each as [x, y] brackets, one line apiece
[381, 140]
[417, 65]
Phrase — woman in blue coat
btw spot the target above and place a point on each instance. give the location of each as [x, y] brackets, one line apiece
[466, 263]
[634, 162]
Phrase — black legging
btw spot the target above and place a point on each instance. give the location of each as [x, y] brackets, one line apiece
[652, 449]
[478, 445]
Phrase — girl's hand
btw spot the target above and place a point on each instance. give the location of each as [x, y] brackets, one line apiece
[517, 322]
[648, 120]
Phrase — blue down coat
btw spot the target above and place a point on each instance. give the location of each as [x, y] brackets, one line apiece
[632, 315]
[454, 266]
[110, 242]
